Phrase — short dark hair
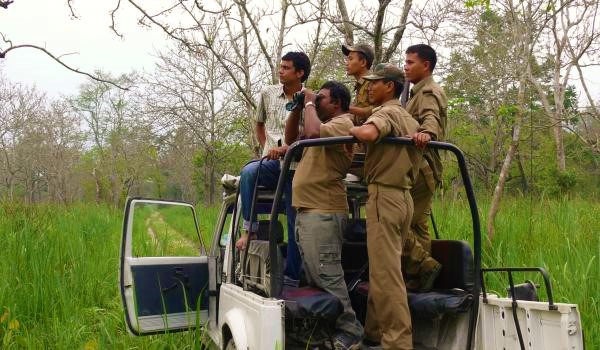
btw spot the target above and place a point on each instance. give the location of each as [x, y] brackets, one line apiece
[338, 92]
[369, 60]
[301, 62]
[398, 87]
[425, 52]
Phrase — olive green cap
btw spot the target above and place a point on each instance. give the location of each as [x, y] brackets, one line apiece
[365, 49]
[386, 71]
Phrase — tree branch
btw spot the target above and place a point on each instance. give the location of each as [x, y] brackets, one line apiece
[69, 3]
[261, 43]
[399, 32]
[57, 59]
[5, 4]
[348, 34]
[112, 19]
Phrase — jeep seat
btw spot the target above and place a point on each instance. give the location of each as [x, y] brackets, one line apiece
[300, 303]
[451, 293]
[309, 302]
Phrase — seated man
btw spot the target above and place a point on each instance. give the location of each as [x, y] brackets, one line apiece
[270, 122]
[319, 195]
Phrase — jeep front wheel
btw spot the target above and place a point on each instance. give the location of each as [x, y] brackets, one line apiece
[230, 345]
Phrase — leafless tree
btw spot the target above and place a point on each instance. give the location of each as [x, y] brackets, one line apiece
[522, 18]
[20, 109]
[568, 37]
[111, 117]
[186, 95]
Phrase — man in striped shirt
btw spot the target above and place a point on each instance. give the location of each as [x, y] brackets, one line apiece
[270, 129]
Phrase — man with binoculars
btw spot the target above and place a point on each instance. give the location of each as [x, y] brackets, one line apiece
[319, 196]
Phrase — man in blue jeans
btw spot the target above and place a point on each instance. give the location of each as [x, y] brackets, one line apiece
[270, 128]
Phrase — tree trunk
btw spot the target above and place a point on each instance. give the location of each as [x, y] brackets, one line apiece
[378, 31]
[524, 184]
[559, 147]
[495, 152]
[348, 34]
[98, 185]
[280, 38]
[115, 190]
[516, 132]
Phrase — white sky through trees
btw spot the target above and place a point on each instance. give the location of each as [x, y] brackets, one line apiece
[92, 44]
[96, 46]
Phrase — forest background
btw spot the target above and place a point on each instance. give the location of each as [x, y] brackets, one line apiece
[520, 104]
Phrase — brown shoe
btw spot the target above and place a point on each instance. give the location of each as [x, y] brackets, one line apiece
[428, 277]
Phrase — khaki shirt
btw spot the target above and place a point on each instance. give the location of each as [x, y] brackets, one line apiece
[387, 164]
[318, 182]
[428, 104]
[361, 98]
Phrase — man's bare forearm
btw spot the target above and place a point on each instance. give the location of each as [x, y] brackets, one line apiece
[291, 126]
[312, 124]
[361, 112]
[365, 133]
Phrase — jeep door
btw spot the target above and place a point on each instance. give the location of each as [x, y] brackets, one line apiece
[164, 270]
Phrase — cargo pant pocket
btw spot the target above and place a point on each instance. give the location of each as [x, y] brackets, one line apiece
[330, 268]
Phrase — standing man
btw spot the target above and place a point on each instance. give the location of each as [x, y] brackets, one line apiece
[358, 63]
[390, 172]
[319, 195]
[428, 104]
[271, 114]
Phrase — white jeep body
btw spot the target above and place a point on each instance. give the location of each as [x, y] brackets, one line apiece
[244, 319]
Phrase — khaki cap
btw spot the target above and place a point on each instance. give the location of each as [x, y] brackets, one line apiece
[386, 71]
[365, 49]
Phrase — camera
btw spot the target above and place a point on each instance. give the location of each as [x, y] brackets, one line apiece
[297, 99]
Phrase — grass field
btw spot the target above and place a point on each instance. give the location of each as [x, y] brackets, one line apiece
[59, 267]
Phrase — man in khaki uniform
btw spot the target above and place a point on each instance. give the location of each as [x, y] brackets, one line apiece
[319, 195]
[358, 63]
[390, 172]
[428, 104]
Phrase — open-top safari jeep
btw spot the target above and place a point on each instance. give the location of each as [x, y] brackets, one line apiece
[240, 300]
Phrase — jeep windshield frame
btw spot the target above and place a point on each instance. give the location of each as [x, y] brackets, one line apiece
[299, 146]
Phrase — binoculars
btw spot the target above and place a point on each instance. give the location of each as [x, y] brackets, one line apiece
[297, 99]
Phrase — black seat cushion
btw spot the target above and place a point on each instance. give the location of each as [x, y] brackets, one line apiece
[308, 302]
[356, 230]
[263, 231]
[422, 305]
[457, 264]
[431, 305]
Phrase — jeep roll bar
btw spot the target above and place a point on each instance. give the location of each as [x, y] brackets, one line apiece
[298, 146]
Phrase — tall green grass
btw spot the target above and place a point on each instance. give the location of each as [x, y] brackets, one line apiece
[562, 236]
[59, 267]
[59, 286]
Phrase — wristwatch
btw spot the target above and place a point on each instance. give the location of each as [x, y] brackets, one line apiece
[309, 103]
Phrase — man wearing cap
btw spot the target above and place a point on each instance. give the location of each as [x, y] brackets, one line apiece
[390, 172]
[319, 195]
[428, 104]
[358, 63]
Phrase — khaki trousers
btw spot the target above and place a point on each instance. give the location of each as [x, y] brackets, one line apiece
[422, 195]
[389, 211]
[417, 248]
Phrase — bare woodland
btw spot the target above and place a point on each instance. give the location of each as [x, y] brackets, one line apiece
[521, 107]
